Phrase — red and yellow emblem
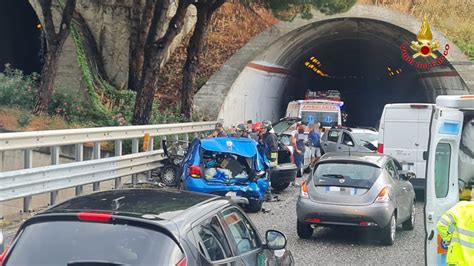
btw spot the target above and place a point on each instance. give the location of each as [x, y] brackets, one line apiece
[424, 46]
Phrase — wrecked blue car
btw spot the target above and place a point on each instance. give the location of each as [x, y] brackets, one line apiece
[228, 167]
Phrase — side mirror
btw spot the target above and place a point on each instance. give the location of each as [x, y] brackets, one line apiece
[349, 143]
[2, 245]
[275, 240]
[406, 176]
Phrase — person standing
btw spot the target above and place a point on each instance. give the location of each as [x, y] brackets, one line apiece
[218, 132]
[249, 126]
[314, 139]
[456, 228]
[298, 140]
[270, 152]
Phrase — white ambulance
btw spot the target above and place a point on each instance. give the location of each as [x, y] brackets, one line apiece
[447, 165]
[326, 112]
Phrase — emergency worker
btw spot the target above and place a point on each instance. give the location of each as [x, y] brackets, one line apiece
[241, 131]
[270, 151]
[218, 132]
[456, 228]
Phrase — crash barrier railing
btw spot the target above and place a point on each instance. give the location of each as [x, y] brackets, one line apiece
[32, 181]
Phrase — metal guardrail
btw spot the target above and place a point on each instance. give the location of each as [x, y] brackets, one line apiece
[32, 181]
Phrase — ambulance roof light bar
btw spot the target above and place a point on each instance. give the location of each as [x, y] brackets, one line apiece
[456, 101]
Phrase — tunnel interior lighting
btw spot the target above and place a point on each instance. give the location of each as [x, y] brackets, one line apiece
[393, 72]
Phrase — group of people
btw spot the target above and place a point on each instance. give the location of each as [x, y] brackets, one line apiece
[300, 140]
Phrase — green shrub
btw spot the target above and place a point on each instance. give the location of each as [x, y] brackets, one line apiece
[18, 89]
[24, 119]
[68, 104]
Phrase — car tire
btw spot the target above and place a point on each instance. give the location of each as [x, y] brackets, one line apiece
[254, 207]
[304, 231]
[169, 175]
[388, 232]
[410, 223]
[280, 186]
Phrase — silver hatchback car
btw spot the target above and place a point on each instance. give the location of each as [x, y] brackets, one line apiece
[358, 189]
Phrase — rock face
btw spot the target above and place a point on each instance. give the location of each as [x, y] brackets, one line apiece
[109, 21]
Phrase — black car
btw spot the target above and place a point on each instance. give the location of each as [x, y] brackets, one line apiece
[144, 227]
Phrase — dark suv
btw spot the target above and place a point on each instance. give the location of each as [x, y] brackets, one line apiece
[144, 227]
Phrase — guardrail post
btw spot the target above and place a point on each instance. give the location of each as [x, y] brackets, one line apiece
[28, 164]
[135, 148]
[54, 161]
[96, 155]
[79, 151]
[118, 152]
[150, 148]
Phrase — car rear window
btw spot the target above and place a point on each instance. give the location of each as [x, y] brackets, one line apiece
[346, 175]
[66, 242]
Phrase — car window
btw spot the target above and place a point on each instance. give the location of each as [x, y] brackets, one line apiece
[333, 135]
[73, 241]
[346, 175]
[212, 241]
[346, 139]
[442, 168]
[392, 170]
[241, 231]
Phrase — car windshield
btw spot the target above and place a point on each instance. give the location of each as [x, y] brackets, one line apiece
[66, 242]
[346, 175]
[365, 137]
[283, 126]
[327, 119]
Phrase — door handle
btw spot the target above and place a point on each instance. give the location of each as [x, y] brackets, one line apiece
[339, 147]
[325, 144]
[430, 237]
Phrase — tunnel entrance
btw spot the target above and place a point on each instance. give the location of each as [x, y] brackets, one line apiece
[21, 43]
[359, 57]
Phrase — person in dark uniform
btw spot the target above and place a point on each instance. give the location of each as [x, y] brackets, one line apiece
[270, 151]
[218, 132]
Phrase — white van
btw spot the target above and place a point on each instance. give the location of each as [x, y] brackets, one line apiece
[403, 134]
[452, 117]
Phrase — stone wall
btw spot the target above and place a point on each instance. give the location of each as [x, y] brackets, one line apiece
[109, 21]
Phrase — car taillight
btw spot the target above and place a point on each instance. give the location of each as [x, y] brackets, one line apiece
[304, 190]
[313, 220]
[383, 195]
[195, 171]
[2, 256]
[380, 148]
[102, 217]
[182, 262]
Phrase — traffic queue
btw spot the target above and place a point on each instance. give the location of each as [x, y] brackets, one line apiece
[353, 182]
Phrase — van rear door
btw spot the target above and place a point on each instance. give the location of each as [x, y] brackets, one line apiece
[442, 177]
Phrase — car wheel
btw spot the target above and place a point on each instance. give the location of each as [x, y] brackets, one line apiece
[169, 175]
[255, 206]
[280, 186]
[389, 231]
[410, 223]
[304, 231]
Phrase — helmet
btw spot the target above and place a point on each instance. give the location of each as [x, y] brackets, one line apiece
[241, 128]
[267, 124]
[218, 125]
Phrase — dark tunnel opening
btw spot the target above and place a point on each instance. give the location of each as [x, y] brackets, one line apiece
[363, 61]
[22, 40]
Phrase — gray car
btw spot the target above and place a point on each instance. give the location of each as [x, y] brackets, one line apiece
[343, 139]
[361, 189]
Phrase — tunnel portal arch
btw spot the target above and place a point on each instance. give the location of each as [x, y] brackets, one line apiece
[355, 49]
[22, 41]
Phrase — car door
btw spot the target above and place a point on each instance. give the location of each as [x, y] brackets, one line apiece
[407, 189]
[242, 236]
[441, 178]
[346, 143]
[331, 140]
[397, 190]
[213, 245]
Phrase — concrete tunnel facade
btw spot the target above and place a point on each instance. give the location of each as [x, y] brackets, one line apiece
[357, 52]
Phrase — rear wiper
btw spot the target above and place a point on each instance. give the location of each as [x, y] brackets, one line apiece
[334, 175]
[93, 263]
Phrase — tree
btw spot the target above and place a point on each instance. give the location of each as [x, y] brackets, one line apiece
[205, 9]
[55, 42]
[157, 40]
